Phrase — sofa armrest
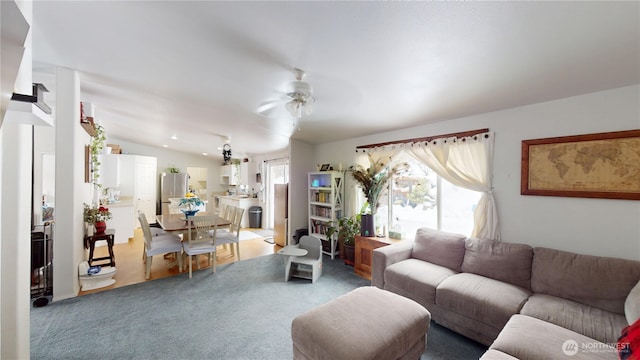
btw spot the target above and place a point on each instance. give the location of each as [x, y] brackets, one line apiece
[386, 256]
[632, 305]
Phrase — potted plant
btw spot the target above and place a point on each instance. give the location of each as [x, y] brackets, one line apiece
[373, 181]
[347, 228]
[190, 204]
[97, 216]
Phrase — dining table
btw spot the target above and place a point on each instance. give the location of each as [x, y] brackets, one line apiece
[177, 223]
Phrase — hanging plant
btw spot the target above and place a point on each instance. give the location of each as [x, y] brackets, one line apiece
[97, 144]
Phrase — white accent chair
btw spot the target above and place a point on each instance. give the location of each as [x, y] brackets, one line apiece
[200, 240]
[158, 245]
[310, 265]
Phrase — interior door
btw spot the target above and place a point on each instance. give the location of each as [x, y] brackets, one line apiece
[277, 173]
[145, 186]
[280, 213]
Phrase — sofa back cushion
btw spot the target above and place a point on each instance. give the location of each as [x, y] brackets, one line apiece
[602, 282]
[439, 247]
[506, 262]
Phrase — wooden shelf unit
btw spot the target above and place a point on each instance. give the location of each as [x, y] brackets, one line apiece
[326, 189]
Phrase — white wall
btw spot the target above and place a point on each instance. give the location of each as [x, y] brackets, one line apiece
[589, 226]
[301, 161]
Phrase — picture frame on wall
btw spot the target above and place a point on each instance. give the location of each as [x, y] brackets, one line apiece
[600, 165]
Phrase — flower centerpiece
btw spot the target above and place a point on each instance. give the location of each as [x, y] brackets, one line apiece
[189, 204]
[374, 181]
[97, 216]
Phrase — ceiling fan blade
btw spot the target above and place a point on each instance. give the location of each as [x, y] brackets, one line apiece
[267, 106]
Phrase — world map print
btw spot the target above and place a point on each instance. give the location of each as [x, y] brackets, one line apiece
[599, 165]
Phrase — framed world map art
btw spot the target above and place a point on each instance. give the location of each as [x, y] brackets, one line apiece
[603, 165]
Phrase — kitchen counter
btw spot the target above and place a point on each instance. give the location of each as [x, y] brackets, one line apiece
[241, 201]
[123, 218]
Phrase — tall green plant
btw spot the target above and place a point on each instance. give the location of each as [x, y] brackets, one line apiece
[375, 178]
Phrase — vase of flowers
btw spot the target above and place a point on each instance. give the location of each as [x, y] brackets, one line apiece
[189, 205]
[374, 181]
[97, 216]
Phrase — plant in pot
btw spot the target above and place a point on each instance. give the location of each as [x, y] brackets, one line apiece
[374, 181]
[347, 228]
[97, 216]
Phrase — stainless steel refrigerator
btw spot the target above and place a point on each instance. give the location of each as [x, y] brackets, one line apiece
[280, 214]
[172, 185]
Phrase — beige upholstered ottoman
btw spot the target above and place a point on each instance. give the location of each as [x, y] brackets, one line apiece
[367, 323]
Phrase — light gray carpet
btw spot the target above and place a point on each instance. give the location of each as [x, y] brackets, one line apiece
[244, 311]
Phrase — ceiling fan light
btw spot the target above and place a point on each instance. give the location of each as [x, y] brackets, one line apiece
[308, 108]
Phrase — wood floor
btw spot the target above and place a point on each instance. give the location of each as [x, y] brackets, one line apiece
[130, 266]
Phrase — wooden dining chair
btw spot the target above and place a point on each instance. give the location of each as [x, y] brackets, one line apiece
[200, 240]
[231, 235]
[158, 245]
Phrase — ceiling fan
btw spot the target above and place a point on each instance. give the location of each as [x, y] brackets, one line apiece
[298, 97]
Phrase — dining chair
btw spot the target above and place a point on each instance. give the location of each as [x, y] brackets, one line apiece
[158, 245]
[231, 235]
[155, 231]
[200, 240]
[223, 211]
[310, 265]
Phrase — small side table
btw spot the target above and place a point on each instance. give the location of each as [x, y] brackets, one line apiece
[290, 251]
[90, 242]
[364, 253]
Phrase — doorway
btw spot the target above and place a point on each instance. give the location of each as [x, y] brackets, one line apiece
[277, 173]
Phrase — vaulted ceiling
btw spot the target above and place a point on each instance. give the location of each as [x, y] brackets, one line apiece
[200, 70]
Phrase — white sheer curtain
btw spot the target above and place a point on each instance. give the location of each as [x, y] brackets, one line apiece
[468, 163]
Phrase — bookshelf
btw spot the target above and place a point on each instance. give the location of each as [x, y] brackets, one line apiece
[326, 198]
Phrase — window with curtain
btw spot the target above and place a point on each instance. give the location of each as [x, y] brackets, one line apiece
[421, 198]
[448, 187]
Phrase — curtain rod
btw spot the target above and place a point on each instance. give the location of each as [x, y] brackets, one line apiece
[428, 138]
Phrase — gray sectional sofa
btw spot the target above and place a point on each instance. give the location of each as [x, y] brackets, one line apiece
[523, 302]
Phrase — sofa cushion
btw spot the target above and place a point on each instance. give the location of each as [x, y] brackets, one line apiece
[601, 282]
[487, 300]
[415, 279]
[593, 322]
[498, 260]
[632, 305]
[492, 354]
[440, 248]
[528, 338]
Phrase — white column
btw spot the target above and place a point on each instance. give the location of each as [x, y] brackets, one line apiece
[71, 191]
[15, 215]
[15, 232]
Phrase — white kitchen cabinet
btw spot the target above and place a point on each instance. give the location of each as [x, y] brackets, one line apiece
[230, 174]
[109, 170]
[122, 220]
[139, 182]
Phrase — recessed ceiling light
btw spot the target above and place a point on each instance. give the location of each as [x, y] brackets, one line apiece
[174, 137]
[165, 145]
[205, 154]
